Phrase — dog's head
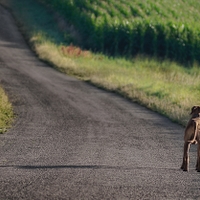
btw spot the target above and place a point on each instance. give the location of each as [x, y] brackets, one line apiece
[195, 110]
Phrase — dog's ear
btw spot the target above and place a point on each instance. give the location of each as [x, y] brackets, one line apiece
[193, 109]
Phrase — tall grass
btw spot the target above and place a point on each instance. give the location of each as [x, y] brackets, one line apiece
[6, 112]
[158, 28]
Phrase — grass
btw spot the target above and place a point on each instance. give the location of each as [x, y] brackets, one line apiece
[161, 85]
[6, 112]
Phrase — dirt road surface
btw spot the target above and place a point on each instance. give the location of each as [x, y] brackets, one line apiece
[71, 140]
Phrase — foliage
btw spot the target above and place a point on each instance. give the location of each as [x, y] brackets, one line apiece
[157, 28]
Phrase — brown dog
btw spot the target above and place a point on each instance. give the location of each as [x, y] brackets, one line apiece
[192, 136]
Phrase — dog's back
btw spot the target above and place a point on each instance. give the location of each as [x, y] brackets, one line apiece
[193, 126]
[192, 130]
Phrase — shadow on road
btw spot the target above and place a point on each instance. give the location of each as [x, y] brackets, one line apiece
[32, 167]
[62, 166]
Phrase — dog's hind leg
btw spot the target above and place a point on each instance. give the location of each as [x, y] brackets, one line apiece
[185, 164]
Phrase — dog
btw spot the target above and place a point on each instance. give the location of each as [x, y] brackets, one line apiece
[192, 136]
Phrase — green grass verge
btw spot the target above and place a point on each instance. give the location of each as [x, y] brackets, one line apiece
[6, 112]
[163, 86]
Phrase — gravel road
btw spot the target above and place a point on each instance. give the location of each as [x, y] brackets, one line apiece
[71, 140]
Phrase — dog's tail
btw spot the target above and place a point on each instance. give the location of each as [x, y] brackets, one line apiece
[194, 140]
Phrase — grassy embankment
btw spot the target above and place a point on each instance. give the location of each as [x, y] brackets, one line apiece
[160, 84]
[6, 112]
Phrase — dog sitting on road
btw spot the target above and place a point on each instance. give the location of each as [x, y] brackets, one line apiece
[192, 136]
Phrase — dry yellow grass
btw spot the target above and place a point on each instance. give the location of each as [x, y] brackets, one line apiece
[165, 87]
[6, 112]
